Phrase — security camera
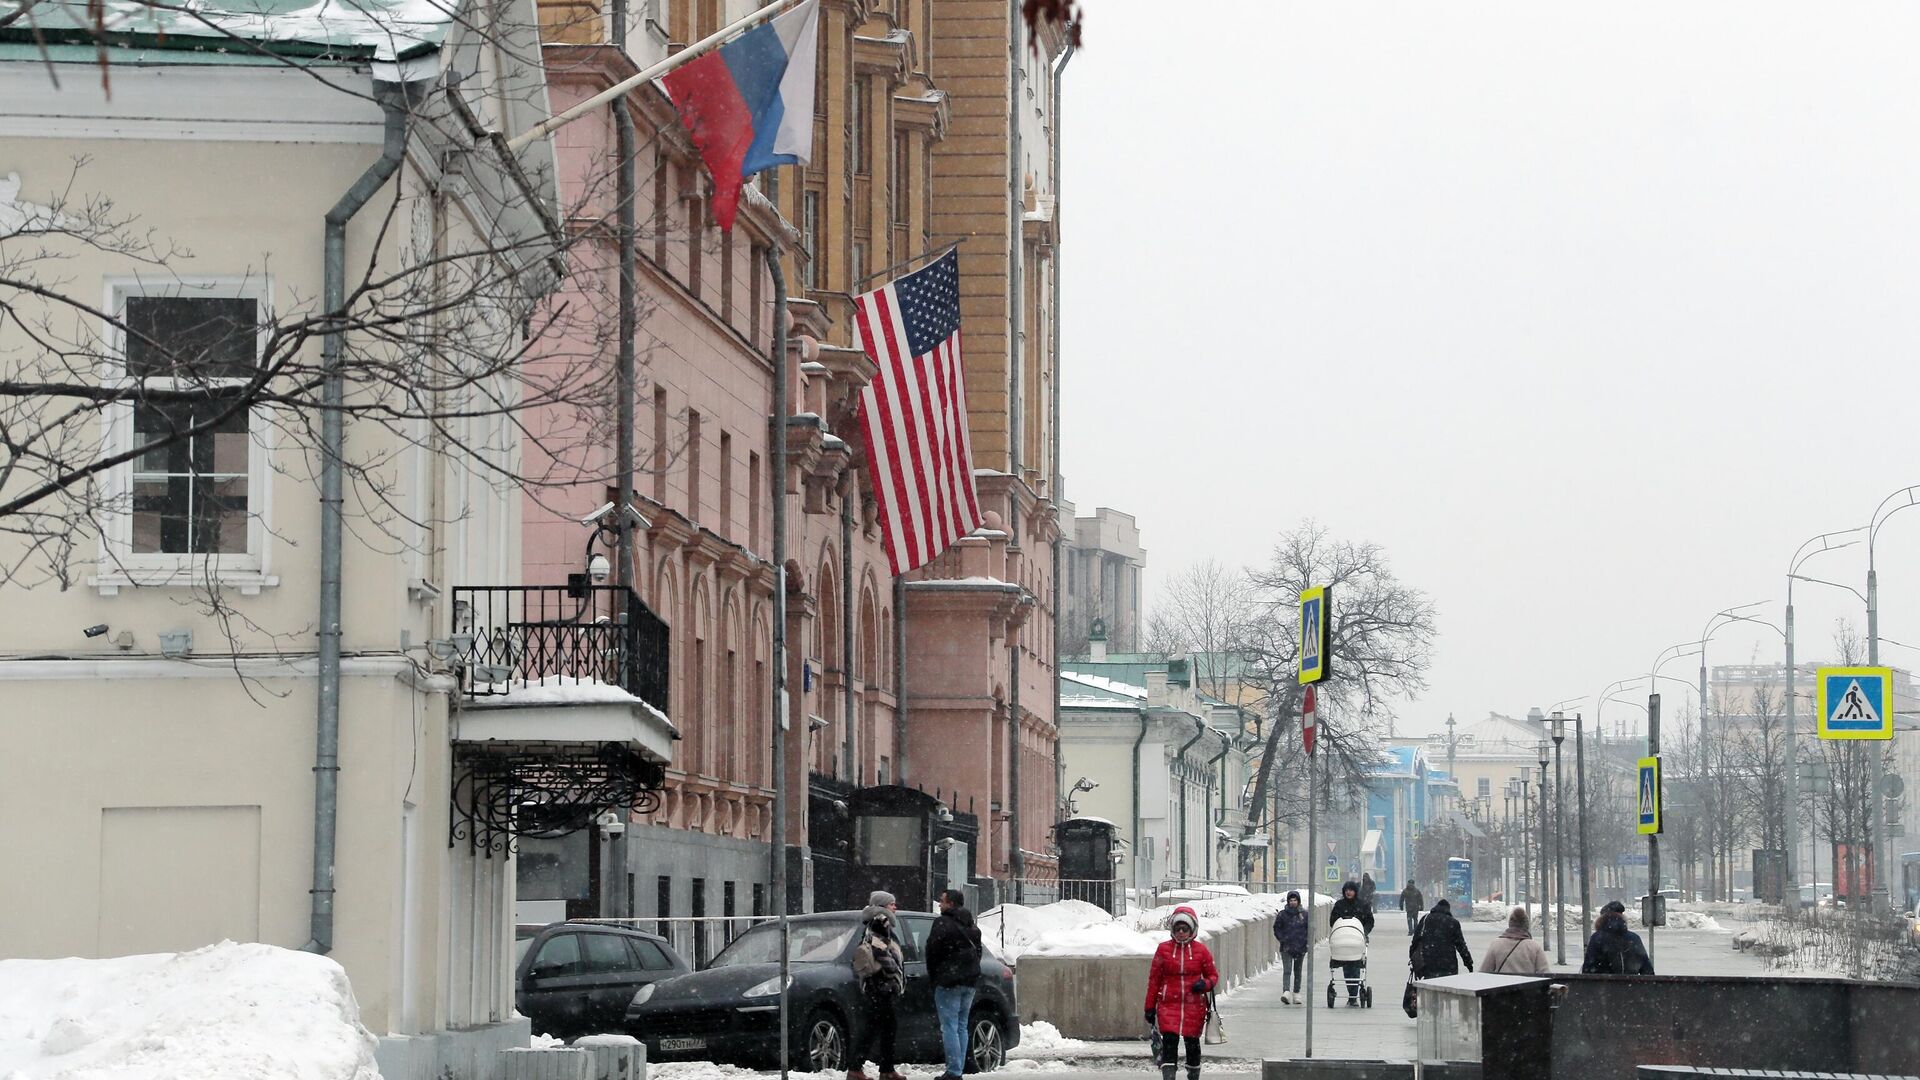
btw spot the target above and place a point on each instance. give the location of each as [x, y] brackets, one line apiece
[599, 515]
[598, 568]
[610, 823]
[606, 510]
[95, 630]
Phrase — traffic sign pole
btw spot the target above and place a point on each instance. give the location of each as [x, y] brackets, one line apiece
[1312, 979]
[1653, 838]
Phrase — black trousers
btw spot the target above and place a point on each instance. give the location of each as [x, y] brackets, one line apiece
[1170, 1049]
[882, 1025]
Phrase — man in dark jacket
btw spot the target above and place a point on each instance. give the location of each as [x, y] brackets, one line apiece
[1436, 944]
[1290, 929]
[1367, 889]
[953, 962]
[1413, 904]
[1613, 949]
[1349, 906]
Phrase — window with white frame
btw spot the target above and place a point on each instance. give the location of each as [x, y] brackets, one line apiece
[194, 501]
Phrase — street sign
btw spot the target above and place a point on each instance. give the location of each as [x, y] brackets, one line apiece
[1280, 867]
[1649, 795]
[1316, 639]
[1333, 873]
[1631, 860]
[1309, 718]
[1855, 702]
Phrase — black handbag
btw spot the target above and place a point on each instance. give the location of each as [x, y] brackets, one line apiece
[1410, 1001]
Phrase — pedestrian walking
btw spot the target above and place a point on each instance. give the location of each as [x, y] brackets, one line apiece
[1413, 904]
[1613, 949]
[1438, 941]
[879, 900]
[1367, 889]
[878, 964]
[1179, 988]
[1291, 929]
[1350, 907]
[953, 962]
[1515, 952]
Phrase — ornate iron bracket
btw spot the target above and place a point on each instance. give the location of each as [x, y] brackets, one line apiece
[501, 794]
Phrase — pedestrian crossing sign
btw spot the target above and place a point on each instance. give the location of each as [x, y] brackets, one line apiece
[1855, 702]
[1649, 800]
[1315, 638]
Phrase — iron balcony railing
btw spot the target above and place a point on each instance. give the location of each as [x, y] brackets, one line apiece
[515, 636]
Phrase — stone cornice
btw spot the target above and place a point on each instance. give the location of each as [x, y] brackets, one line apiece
[891, 55]
[927, 109]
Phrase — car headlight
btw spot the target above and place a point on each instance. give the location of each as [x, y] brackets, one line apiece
[765, 989]
[642, 995]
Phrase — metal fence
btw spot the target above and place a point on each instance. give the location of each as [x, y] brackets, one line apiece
[513, 635]
[1174, 890]
[1107, 893]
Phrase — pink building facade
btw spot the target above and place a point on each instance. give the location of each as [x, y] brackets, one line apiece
[978, 661]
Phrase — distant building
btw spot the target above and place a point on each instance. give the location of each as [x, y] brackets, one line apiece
[1103, 563]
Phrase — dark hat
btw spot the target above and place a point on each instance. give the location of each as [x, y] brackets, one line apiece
[1616, 907]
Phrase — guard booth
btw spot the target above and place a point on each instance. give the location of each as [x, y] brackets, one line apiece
[1089, 853]
[898, 839]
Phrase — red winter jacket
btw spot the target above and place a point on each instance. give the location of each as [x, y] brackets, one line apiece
[1180, 1011]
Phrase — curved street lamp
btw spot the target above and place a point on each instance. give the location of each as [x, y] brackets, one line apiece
[1876, 803]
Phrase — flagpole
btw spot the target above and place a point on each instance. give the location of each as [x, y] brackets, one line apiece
[929, 254]
[628, 85]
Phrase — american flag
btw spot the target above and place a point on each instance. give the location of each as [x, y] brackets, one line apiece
[914, 413]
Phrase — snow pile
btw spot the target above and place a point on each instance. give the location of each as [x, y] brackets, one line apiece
[223, 1012]
[1106, 939]
[1040, 1037]
[556, 690]
[1677, 919]
[1692, 920]
[1011, 929]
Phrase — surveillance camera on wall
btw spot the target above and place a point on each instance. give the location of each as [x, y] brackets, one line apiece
[598, 515]
[606, 510]
[610, 823]
[599, 569]
[96, 630]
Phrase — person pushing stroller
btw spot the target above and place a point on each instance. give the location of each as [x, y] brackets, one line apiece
[1179, 992]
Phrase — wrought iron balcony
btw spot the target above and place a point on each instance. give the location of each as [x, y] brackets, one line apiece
[517, 636]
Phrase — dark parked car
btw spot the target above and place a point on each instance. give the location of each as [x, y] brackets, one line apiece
[575, 979]
[730, 1012]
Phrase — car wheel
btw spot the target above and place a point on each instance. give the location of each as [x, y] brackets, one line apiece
[986, 1046]
[824, 1047]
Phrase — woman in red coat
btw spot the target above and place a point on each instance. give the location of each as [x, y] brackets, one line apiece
[1177, 987]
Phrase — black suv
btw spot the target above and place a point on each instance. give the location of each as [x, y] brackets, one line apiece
[576, 979]
[729, 1012]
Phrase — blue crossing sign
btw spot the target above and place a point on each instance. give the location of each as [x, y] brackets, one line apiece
[1649, 800]
[1316, 637]
[1855, 702]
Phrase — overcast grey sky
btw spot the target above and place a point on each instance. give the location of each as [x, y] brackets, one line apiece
[1590, 313]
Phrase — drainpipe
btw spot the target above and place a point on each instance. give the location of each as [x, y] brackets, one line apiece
[1214, 785]
[777, 465]
[1053, 354]
[333, 437]
[1016, 436]
[1179, 759]
[846, 626]
[1134, 863]
[626, 191]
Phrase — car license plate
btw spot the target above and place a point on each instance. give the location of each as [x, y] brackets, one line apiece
[683, 1044]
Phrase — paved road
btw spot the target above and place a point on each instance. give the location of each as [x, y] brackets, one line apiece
[1259, 1026]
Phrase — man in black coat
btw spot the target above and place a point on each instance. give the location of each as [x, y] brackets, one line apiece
[1436, 943]
[1350, 906]
[953, 962]
[1412, 903]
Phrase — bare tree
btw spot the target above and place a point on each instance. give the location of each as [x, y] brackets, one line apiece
[1382, 638]
[1206, 609]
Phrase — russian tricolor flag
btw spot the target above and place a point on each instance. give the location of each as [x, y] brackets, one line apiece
[749, 106]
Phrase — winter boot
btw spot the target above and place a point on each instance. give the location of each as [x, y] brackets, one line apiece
[1167, 1071]
[856, 1073]
[1193, 1072]
[892, 1074]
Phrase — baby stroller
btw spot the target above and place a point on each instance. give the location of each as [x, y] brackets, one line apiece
[1347, 944]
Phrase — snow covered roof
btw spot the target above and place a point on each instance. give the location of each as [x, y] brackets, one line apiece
[1103, 690]
[377, 29]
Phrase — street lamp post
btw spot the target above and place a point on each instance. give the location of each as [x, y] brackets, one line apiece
[1707, 632]
[1560, 836]
[1546, 888]
[1526, 837]
[1791, 870]
[1876, 802]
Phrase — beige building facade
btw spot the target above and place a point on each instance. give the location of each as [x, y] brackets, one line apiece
[160, 709]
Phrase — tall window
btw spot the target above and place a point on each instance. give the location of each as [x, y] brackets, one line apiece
[696, 239]
[1485, 788]
[753, 502]
[897, 191]
[814, 273]
[726, 485]
[660, 444]
[862, 135]
[193, 494]
[754, 275]
[693, 464]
